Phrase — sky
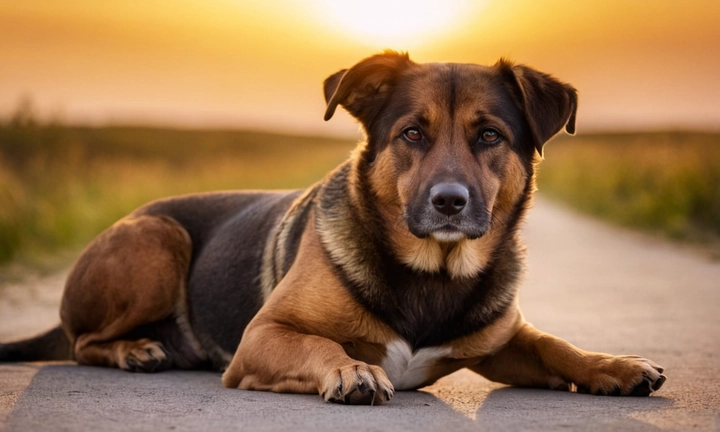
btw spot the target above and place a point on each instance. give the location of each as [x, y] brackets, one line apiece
[259, 64]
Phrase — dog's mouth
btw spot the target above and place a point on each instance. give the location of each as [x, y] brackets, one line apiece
[448, 234]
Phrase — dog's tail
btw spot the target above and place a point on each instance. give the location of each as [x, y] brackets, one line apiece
[51, 345]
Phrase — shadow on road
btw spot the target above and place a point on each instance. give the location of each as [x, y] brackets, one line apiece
[71, 397]
[511, 408]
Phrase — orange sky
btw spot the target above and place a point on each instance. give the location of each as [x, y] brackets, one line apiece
[260, 64]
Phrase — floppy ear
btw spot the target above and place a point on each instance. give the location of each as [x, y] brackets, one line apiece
[548, 103]
[364, 88]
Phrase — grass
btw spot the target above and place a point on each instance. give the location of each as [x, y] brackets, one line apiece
[665, 183]
[61, 186]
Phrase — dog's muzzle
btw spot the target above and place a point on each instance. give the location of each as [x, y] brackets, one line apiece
[448, 212]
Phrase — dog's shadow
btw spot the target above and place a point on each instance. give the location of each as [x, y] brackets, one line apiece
[492, 406]
[70, 397]
[511, 408]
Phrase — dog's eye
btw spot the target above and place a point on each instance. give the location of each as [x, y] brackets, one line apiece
[490, 136]
[412, 135]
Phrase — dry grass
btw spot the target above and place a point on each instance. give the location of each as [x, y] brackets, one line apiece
[61, 186]
[667, 183]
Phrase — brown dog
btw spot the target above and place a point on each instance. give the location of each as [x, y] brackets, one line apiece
[399, 267]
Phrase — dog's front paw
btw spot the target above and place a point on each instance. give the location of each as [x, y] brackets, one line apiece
[357, 383]
[622, 376]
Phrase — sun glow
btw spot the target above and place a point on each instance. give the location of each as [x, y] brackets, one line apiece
[395, 22]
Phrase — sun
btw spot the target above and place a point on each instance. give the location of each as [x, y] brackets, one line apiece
[394, 22]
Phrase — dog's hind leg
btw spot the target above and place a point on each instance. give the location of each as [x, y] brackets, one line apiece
[131, 276]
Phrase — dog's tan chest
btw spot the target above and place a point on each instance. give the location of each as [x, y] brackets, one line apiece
[407, 369]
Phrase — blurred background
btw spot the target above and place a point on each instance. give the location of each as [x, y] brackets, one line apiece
[106, 105]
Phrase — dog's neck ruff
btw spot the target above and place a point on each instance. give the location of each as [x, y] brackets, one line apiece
[426, 309]
[284, 241]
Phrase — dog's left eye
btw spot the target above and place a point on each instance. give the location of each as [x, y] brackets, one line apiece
[412, 135]
[490, 136]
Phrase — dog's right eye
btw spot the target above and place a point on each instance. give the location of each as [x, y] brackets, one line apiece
[490, 136]
[412, 135]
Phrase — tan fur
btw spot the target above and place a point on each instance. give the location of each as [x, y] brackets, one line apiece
[468, 257]
[140, 266]
[268, 273]
[464, 258]
[461, 259]
[290, 346]
[465, 351]
[420, 254]
[424, 255]
[487, 341]
[274, 253]
[512, 185]
[536, 359]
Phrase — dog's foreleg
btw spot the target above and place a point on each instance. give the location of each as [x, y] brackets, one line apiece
[536, 359]
[276, 357]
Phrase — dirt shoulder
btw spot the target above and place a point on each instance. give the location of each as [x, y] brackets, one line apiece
[30, 306]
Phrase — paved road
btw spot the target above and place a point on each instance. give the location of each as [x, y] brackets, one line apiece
[601, 288]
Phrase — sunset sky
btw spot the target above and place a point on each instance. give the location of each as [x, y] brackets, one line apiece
[260, 64]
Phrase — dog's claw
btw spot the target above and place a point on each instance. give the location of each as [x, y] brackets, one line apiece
[358, 384]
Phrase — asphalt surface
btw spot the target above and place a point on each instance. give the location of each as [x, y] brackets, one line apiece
[601, 288]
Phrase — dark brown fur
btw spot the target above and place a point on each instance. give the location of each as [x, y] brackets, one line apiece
[399, 267]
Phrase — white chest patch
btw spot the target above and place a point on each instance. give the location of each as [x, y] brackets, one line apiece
[407, 370]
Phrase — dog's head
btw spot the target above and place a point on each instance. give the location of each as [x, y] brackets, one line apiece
[450, 145]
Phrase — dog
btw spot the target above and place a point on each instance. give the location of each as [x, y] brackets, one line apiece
[401, 266]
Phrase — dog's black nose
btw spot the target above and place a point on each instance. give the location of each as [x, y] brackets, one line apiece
[449, 198]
